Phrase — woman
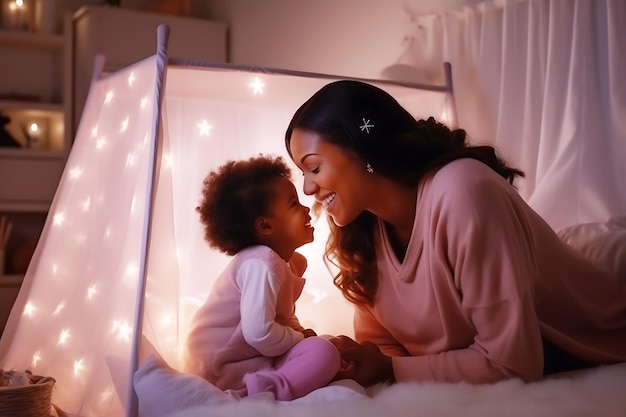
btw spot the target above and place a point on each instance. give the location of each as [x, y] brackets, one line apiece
[453, 276]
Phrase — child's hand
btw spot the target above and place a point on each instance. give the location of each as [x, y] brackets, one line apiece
[298, 264]
[309, 333]
[343, 342]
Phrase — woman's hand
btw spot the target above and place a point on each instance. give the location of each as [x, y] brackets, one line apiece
[347, 369]
[364, 363]
[369, 365]
[342, 342]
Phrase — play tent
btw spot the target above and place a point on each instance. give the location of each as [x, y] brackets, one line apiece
[121, 259]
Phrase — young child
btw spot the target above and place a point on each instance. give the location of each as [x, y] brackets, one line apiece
[246, 337]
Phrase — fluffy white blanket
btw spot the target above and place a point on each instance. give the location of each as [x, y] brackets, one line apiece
[594, 392]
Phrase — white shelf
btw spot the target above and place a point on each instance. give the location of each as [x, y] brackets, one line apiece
[29, 39]
[25, 207]
[12, 280]
[26, 153]
[26, 105]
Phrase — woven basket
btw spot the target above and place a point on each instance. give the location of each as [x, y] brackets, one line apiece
[33, 400]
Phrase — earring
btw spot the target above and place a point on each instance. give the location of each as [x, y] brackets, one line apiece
[369, 168]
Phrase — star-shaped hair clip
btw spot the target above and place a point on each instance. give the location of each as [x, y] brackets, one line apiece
[366, 126]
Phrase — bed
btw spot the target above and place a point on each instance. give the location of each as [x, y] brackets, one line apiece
[163, 391]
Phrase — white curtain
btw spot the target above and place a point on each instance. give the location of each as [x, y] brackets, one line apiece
[545, 82]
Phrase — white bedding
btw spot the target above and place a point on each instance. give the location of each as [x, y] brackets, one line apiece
[164, 392]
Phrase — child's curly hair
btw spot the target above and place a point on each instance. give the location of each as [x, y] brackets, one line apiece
[233, 196]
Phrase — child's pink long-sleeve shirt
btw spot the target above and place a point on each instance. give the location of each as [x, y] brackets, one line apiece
[248, 319]
[483, 280]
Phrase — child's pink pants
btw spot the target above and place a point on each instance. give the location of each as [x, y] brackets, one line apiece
[310, 364]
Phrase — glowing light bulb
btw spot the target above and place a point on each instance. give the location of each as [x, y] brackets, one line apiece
[57, 310]
[91, 292]
[58, 219]
[65, 334]
[19, 3]
[124, 125]
[78, 366]
[100, 143]
[257, 86]
[168, 160]
[34, 127]
[76, 172]
[36, 358]
[122, 329]
[205, 128]
[29, 309]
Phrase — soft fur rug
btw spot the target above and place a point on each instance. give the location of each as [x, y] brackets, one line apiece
[589, 393]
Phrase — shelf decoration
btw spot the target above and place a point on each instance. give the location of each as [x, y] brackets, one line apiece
[6, 139]
[35, 133]
[15, 14]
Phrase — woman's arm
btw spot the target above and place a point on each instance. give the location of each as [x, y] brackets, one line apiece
[484, 233]
[483, 236]
[368, 328]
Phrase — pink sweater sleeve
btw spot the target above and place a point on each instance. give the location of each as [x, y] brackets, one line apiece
[367, 327]
[492, 357]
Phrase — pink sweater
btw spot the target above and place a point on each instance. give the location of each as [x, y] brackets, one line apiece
[248, 319]
[483, 279]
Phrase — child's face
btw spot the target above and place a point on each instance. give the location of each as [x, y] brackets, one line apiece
[290, 220]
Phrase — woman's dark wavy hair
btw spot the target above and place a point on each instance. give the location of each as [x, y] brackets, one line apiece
[233, 196]
[397, 146]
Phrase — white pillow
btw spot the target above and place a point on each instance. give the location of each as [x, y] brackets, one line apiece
[603, 243]
[162, 390]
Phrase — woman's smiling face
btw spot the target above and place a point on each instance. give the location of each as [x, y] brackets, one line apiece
[335, 177]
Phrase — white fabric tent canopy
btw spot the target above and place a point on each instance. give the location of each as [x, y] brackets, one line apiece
[543, 81]
[122, 258]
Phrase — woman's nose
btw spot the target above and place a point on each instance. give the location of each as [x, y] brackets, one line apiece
[309, 187]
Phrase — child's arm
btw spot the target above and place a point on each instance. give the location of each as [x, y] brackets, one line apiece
[259, 295]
